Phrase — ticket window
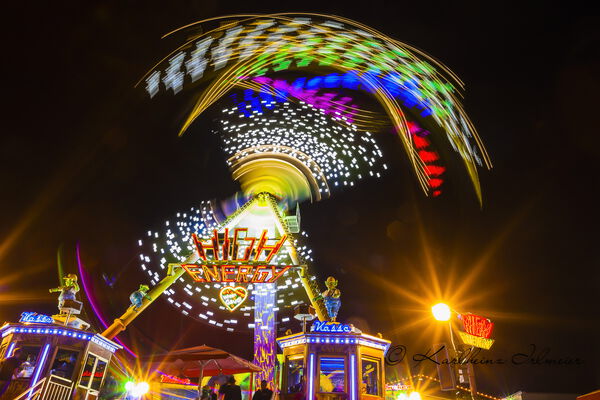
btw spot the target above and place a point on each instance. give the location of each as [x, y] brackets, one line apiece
[332, 375]
[371, 376]
[93, 373]
[31, 355]
[64, 363]
[295, 368]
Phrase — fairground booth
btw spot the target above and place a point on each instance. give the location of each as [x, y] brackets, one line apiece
[333, 361]
[60, 361]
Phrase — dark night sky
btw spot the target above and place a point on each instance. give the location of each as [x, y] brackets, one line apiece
[86, 157]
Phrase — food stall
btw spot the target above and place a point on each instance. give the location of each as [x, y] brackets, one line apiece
[61, 362]
[333, 361]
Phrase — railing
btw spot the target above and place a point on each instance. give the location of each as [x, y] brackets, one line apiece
[49, 388]
[33, 392]
[58, 388]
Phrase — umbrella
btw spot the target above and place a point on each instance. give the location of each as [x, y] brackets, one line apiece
[200, 361]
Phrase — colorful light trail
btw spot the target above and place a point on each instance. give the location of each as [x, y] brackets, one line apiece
[400, 77]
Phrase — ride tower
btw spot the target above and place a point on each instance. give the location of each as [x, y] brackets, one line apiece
[250, 254]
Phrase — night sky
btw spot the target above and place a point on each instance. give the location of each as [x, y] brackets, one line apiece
[87, 158]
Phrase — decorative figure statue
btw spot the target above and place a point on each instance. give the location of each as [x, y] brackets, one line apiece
[331, 297]
[137, 297]
[68, 290]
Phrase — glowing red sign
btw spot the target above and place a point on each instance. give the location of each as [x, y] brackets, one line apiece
[173, 379]
[238, 249]
[477, 325]
[235, 273]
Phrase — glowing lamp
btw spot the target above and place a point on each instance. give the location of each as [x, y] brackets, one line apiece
[142, 388]
[441, 312]
[415, 395]
[137, 390]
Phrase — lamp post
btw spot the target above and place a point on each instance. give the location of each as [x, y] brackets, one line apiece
[443, 313]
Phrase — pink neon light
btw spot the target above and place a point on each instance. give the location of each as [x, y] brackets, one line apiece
[91, 300]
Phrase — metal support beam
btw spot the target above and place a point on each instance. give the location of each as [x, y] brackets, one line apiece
[175, 272]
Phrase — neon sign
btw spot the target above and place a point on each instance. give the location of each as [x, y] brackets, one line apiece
[35, 318]
[173, 379]
[230, 247]
[333, 327]
[477, 325]
[477, 332]
[233, 297]
[239, 258]
[235, 273]
[476, 341]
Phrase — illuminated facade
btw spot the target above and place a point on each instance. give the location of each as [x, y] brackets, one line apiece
[333, 362]
[62, 362]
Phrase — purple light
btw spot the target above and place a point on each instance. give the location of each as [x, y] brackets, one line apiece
[10, 349]
[338, 108]
[91, 300]
[352, 377]
[38, 369]
[311, 363]
[264, 333]
[100, 340]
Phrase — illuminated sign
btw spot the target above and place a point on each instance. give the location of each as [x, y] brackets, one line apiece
[476, 341]
[35, 318]
[173, 379]
[396, 387]
[477, 325]
[235, 273]
[239, 258]
[96, 374]
[325, 326]
[233, 297]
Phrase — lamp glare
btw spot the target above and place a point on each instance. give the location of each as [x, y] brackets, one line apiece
[441, 312]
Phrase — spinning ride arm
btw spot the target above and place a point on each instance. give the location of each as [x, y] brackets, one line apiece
[120, 324]
[175, 272]
[314, 295]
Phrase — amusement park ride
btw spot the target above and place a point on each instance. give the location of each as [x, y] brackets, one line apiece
[285, 142]
[70, 354]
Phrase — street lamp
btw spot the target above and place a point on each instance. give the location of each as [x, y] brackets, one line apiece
[136, 390]
[411, 396]
[441, 312]
[414, 396]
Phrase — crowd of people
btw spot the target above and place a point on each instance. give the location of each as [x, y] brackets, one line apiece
[231, 391]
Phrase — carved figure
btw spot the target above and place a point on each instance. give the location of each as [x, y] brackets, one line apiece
[137, 297]
[331, 297]
[67, 291]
